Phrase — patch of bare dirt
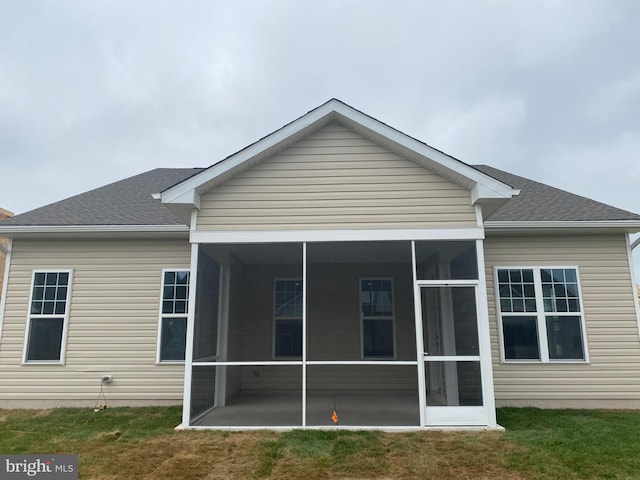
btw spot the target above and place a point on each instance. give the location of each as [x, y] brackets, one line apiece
[240, 455]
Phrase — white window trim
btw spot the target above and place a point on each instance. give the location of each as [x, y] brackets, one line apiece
[632, 272]
[393, 319]
[275, 320]
[540, 315]
[169, 315]
[65, 322]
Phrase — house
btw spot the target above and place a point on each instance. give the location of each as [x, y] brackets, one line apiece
[4, 243]
[336, 272]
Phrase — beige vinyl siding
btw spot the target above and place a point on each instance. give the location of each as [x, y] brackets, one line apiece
[113, 324]
[335, 179]
[613, 373]
[333, 328]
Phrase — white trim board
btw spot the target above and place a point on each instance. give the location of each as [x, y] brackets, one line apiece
[11, 230]
[435, 428]
[188, 350]
[310, 236]
[579, 226]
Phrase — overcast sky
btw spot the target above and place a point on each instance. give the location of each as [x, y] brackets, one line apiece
[95, 91]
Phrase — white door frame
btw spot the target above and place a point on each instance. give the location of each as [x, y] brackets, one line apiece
[456, 415]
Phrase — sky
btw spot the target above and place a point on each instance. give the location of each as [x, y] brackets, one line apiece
[92, 92]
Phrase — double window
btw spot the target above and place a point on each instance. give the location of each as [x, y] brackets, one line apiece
[376, 316]
[48, 315]
[541, 314]
[173, 315]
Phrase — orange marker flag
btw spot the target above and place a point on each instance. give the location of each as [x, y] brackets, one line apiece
[334, 417]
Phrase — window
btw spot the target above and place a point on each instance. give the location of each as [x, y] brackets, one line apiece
[541, 314]
[376, 309]
[173, 316]
[288, 318]
[48, 313]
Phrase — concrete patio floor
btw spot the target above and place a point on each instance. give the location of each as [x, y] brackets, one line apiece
[354, 409]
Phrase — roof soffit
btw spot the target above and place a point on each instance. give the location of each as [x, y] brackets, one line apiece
[482, 186]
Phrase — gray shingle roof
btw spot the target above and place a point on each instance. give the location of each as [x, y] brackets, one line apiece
[538, 202]
[127, 202]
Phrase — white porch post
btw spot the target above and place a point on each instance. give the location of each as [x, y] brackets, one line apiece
[188, 360]
[304, 334]
[417, 298]
[484, 340]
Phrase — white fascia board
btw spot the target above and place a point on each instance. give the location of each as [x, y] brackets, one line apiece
[483, 191]
[12, 231]
[310, 236]
[504, 226]
[486, 186]
[190, 197]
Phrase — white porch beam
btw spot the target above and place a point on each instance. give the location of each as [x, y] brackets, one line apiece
[422, 390]
[310, 236]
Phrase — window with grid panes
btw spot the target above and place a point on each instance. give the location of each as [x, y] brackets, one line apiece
[47, 316]
[288, 318]
[376, 309]
[173, 320]
[541, 314]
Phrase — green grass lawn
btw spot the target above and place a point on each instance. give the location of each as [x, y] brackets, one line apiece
[134, 443]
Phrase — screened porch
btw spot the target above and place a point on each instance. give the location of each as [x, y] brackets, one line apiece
[325, 334]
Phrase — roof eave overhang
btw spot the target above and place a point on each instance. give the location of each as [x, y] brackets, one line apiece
[97, 231]
[565, 227]
[180, 203]
[485, 190]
